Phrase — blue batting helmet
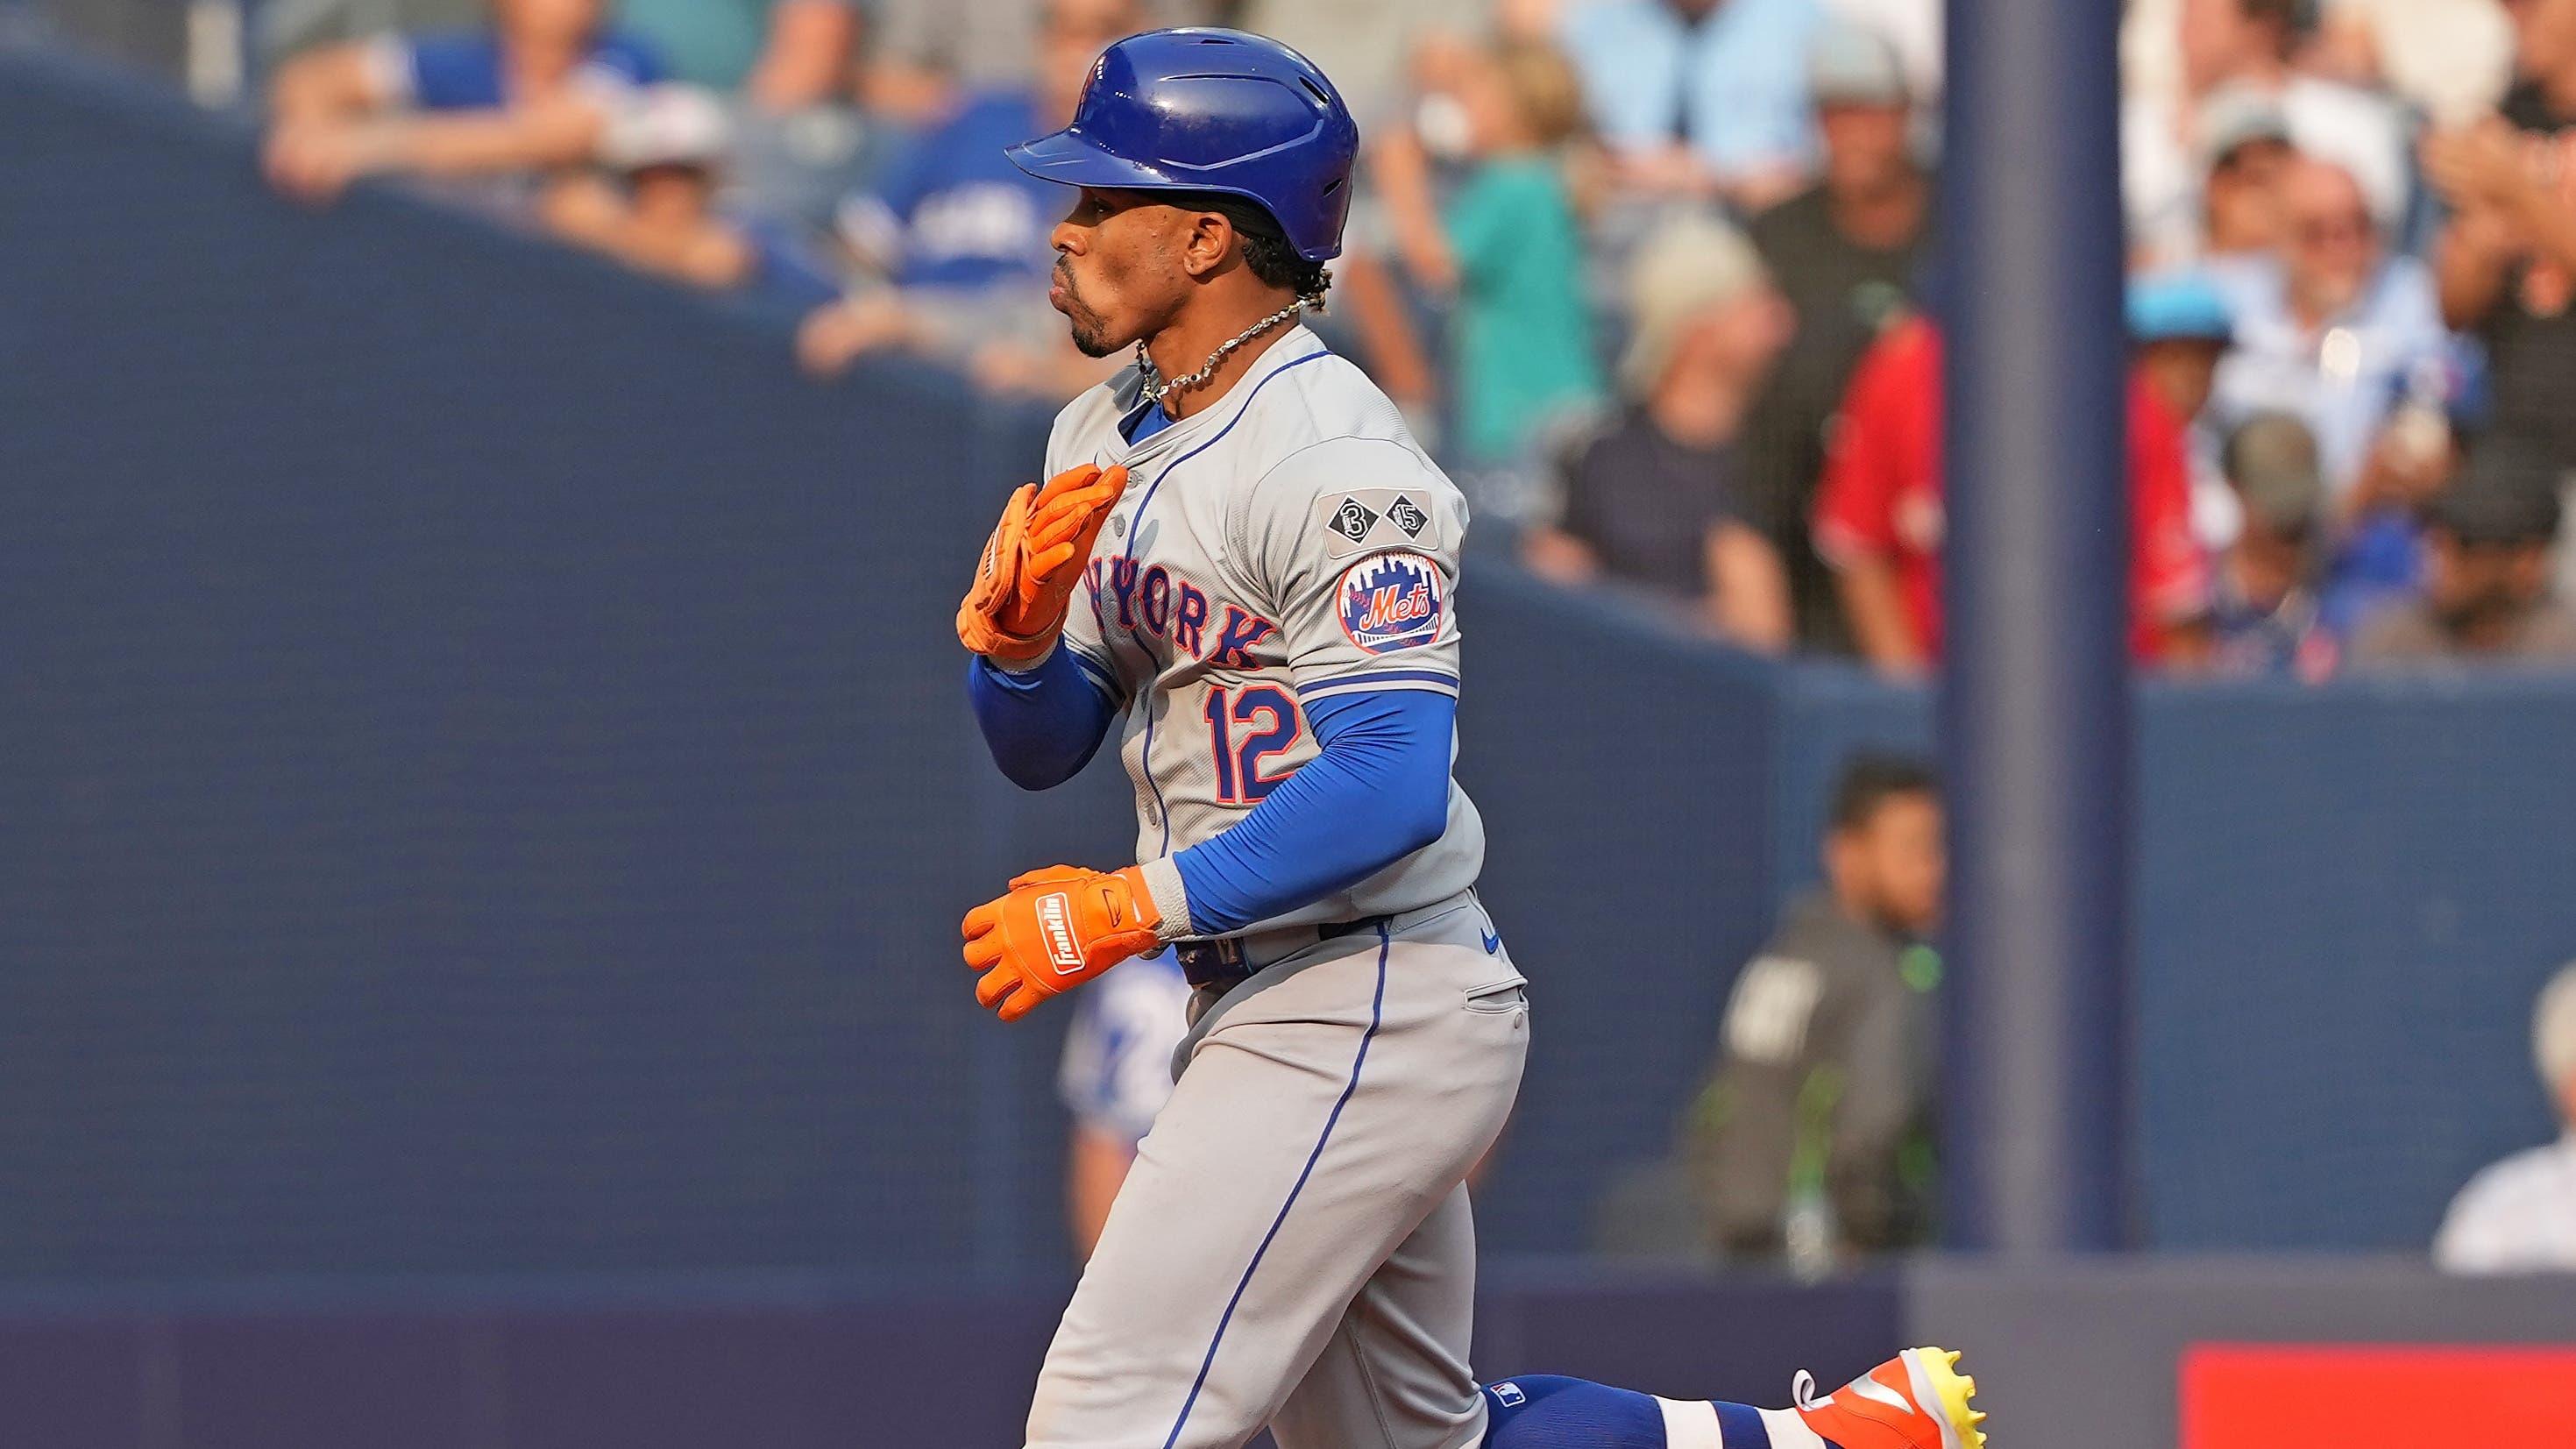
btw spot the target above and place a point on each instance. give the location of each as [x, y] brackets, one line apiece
[1212, 110]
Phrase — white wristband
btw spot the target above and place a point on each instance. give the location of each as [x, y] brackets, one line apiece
[1171, 898]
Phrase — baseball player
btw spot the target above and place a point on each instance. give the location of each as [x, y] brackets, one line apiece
[1244, 563]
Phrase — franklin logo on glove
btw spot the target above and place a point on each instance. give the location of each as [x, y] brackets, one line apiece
[1055, 918]
[1058, 928]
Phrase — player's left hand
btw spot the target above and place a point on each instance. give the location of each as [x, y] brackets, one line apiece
[1024, 582]
[1058, 928]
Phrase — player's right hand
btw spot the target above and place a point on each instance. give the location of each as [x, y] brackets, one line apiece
[1024, 582]
[1058, 928]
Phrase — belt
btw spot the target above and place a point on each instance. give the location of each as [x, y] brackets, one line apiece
[1232, 958]
[1229, 959]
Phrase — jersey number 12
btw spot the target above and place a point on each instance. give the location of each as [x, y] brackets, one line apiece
[1269, 718]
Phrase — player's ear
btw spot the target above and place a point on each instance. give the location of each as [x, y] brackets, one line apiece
[1210, 242]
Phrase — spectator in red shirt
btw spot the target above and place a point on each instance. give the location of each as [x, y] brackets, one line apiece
[1879, 515]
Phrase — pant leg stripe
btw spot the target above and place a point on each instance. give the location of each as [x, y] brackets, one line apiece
[1377, 1006]
[1691, 1425]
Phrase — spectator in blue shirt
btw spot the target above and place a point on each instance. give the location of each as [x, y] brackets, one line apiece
[2265, 614]
[532, 93]
[2289, 591]
[958, 237]
[1701, 97]
[954, 212]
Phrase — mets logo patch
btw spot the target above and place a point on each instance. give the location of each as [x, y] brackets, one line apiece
[1391, 602]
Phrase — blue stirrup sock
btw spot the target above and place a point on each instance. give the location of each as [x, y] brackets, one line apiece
[1544, 1411]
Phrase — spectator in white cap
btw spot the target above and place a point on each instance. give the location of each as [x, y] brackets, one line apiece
[2332, 327]
[655, 208]
[1912, 26]
[2519, 1216]
[2246, 150]
[2247, 44]
[788, 73]
[1650, 501]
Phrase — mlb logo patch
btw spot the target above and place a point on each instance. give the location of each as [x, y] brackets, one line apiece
[1509, 1395]
[1391, 602]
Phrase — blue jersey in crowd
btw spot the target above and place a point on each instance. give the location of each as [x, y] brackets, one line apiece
[954, 212]
[1117, 1070]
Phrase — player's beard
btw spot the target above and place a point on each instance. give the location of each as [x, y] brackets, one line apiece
[1090, 333]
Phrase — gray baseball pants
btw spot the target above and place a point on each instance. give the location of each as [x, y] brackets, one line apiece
[1293, 1247]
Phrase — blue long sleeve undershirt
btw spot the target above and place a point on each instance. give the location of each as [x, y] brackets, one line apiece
[1042, 726]
[1377, 792]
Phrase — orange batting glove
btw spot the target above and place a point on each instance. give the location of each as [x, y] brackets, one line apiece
[1024, 582]
[1058, 928]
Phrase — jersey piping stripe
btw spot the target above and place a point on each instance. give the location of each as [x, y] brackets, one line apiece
[1377, 1007]
[1379, 679]
[1325, 694]
[1096, 672]
[1136, 530]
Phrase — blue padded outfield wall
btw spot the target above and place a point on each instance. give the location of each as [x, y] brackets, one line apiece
[2348, 899]
[484, 787]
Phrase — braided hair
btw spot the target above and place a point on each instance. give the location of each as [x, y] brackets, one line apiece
[1266, 249]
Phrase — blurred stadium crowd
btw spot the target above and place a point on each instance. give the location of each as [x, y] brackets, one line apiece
[1655, 276]
[1658, 279]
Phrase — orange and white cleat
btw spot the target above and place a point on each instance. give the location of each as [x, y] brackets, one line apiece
[1916, 1400]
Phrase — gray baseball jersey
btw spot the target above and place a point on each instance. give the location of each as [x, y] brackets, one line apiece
[1286, 545]
[1293, 1246]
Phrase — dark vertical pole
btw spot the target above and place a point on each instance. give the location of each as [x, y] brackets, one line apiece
[2034, 698]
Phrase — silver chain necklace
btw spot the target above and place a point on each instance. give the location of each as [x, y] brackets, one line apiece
[1156, 391]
